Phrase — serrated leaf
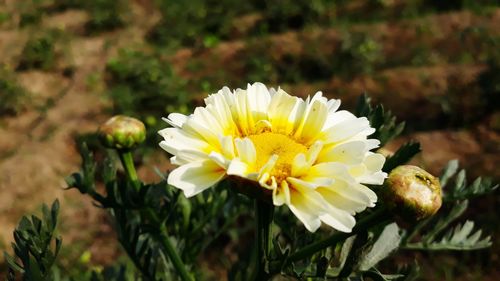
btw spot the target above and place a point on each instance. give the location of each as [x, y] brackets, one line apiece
[450, 170]
[461, 191]
[462, 237]
[382, 121]
[377, 276]
[455, 212]
[12, 263]
[404, 154]
[387, 242]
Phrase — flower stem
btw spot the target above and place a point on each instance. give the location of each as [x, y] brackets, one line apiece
[172, 254]
[128, 164]
[378, 217]
[264, 217]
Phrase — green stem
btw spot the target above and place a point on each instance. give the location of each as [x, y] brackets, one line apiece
[172, 254]
[377, 217]
[128, 164]
[264, 217]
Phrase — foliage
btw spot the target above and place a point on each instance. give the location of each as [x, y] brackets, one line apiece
[459, 189]
[13, 97]
[164, 234]
[359, 54]
[147, 220]
[141, 84]
[456, 195]
[39, 52]
[402, 155]
[105, 14]
[34, 240]
[198, 23]
[195, 22]
[382, 121]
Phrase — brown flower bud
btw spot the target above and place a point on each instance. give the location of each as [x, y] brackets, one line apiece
[412, 192]
[122, 132]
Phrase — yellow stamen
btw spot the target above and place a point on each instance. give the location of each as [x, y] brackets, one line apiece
[268, 144]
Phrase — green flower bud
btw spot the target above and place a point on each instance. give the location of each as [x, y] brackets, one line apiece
[122, 132]
[412, 192]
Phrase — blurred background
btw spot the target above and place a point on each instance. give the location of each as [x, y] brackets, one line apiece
[68, 65]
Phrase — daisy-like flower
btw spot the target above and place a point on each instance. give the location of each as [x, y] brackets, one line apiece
[308, 155]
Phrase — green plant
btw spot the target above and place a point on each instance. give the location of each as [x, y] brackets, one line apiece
[105, 14]
[13, 97]
[141, 84]
[39, 52]
[196, 23]
[34, 240]
[30, 12]
[148, 224]
[359, 54]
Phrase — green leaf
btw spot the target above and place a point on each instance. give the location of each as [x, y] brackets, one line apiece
[387, 242]
[450, 170]
[462, 237]
[377, 276]
[458, 189]
[32, 246]
[383, 121]
[404, 154]
[11, 263]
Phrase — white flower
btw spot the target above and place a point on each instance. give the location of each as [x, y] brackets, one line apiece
[313, 158]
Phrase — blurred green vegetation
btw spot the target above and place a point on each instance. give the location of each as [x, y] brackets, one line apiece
[39, 53]
[141, 84]
[13, 97]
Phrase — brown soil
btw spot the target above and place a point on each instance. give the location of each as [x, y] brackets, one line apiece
[38, 147]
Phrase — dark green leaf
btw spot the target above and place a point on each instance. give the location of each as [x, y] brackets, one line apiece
[402, 155]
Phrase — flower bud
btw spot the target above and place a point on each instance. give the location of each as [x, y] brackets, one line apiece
[412, 192]
[122, 132]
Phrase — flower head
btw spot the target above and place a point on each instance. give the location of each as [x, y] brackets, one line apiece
[305, 153]
[122, 132]
[412, 191]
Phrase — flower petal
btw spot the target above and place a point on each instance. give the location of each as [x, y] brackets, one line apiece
[195, 177]
[339, 219]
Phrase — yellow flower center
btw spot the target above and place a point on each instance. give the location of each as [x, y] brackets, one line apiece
[268, 144]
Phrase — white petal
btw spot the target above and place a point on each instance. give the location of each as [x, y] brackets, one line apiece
[227, 146]
[330, 169]
[347, 196]
[176, 139]
[301, 184]
[176, 119]
[337, 117]
[348, 153]
[238, 168]
[339, 219]
[299, 165]
[246, 150]
[282, 112]
[189, 155]
[312, 122]
[281, 194]
[333, 105]
[347, 129]
[195, 177]
[198, 127]
[374, 162]
[313, 152]
[219, 159]
[258, 101]
[299, 207]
